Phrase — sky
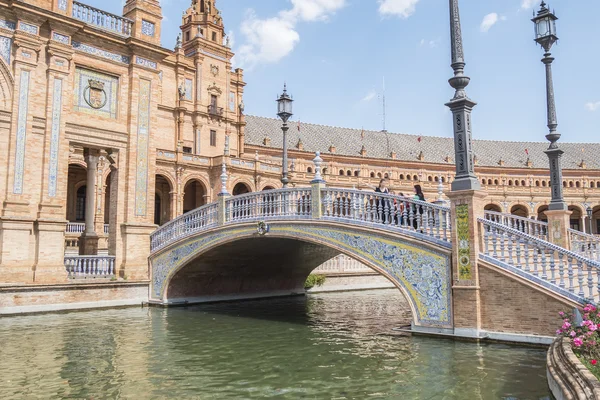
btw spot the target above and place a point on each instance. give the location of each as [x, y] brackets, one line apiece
[335, 55]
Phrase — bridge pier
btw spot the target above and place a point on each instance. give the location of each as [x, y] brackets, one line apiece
[466, 207]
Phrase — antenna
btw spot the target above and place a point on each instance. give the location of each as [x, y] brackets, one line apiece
[384, 104]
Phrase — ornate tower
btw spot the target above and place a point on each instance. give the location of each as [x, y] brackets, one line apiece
[215, 92]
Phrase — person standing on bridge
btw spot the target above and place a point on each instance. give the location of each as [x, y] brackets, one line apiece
[383, 207]
[418, 210]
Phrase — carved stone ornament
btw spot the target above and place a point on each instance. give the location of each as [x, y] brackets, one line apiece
[94, 94]
[214, 88]
[214, 70]
[262, 228]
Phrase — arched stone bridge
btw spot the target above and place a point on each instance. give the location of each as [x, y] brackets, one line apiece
[267, 243]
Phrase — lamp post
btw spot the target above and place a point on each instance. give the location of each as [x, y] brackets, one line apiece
[461, 107]
[590, 212]
[545, 36]
[284, 111]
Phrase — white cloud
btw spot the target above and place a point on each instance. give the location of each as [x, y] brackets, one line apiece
[400, 8]
[269, 40]
[431, 43]
[489, 21]
[527, 4]
[592, 106]
[370, 96]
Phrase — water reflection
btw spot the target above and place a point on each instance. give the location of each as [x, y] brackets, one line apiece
[330, 346]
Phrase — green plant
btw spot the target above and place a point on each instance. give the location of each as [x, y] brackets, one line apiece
[584, 333]
[314, 280]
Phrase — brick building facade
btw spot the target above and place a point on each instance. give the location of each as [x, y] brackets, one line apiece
[104, 134]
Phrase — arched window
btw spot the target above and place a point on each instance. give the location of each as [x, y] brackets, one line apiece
[408, 177]
[430, 178]
[443, 180]
[516, 183]
[309, 170]
[415, 178]
[341, 172]
[537, 183]
[510, 182]
[543, 183]
[324, 171]
[495, 181]
[564, 183]
[483, 181]
[592, 185]
[379, 174]
[356, 173]
[386, 176]
[348, 173]
[571, 184]
[402, 176]
[489, 181]
[523, 183]
[577, 184]
[372, 175]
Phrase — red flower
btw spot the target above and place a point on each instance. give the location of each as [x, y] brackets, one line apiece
[594, 362]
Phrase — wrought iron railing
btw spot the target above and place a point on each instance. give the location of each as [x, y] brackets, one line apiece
[389, 210]
[529, 226]
[84, 267]
[102, 19]
[272, 204]
[540, 261]
[214, 110]
[184, 225]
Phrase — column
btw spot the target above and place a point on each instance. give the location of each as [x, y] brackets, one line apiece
[88, 243]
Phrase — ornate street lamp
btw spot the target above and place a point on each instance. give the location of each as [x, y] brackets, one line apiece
[284, 111]
[545, 36]
[590, 212]
[461, 107]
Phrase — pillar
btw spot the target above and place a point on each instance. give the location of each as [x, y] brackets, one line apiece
[88, 243]
[559, 222]
[466, 207]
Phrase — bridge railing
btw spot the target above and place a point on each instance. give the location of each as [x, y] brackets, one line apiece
[529, 226]
[271, 204]
[390, 210]
[585, 244]
[184, 225]
[563, 269]
[79, 267]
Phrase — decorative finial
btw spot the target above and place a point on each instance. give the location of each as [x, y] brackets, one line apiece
[460, 81]
[223, 179]
[440, 190]
[317, 161]
[226, 150]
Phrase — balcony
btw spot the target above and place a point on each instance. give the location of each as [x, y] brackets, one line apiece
[216, 111]
[102, 19]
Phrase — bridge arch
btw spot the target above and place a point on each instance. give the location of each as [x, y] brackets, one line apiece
[184, 270]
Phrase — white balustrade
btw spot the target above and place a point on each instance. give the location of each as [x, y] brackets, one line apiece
[185, 225]
[83, 267]
[389, 210]
[75, 227]
[272, 204]
[540, 260]
[102, 19]
[342, 264]
[529, 226]
[585, 244]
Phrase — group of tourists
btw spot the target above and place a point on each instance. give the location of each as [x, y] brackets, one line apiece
[396, 209]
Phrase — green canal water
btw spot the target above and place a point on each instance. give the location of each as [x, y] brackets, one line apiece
[329, 346]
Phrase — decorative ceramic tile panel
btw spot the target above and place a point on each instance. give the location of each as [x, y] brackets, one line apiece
[422, 272]
[95, 93]
[464, 244]
[147, 28]
[5, 48]
[21, 132]
[100, 53]
[144, 62]
[62, 5]
[188, 89]
[55, 136]
[60, 38]
[25, 27]
[231, 101]
[8, 24]
[141, 181]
